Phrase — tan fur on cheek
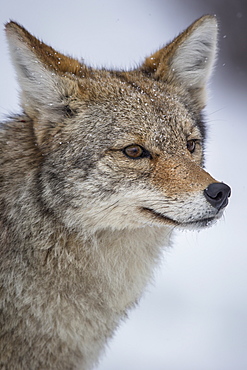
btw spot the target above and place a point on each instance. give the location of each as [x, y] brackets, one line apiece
[179, 175]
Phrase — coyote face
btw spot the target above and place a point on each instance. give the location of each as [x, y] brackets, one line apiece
[131, 156]
[144, 154]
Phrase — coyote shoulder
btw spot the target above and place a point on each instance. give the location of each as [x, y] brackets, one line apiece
[95, 174]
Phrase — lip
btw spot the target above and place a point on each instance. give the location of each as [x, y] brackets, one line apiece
[160, 216]
[205, 222]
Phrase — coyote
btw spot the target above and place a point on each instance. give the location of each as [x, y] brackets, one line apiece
[96, 172]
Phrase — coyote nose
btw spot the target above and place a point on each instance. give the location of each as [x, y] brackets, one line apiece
[217, 194]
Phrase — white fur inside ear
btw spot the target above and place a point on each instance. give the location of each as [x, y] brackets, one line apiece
[39, 86]
[194, 59]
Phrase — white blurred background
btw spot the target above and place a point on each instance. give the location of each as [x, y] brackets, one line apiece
[194, 316]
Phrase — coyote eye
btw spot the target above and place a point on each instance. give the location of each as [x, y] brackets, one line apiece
[191, 145]
[135, 151]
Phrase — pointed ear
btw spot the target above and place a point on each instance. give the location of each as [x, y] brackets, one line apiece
[45, 76]
[189, 59]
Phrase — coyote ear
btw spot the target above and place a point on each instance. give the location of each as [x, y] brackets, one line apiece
[189, 59]
[41, 72]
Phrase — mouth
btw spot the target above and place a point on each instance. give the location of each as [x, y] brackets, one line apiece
[201, 223]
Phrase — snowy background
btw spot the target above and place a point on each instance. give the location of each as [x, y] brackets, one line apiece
[194, 316]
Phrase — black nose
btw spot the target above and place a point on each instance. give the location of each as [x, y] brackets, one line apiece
[217, 194]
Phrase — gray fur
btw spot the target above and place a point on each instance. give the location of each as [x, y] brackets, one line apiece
[82, 226]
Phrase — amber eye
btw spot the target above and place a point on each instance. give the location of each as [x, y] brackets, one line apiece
[135, 151]
[191, 145]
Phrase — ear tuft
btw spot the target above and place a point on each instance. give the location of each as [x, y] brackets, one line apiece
[189, 59]
[41, 72]
[193, 61]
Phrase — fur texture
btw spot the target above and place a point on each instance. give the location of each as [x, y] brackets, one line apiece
[94, 175]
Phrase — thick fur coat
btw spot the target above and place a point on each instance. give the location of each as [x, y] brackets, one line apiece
[95, 174]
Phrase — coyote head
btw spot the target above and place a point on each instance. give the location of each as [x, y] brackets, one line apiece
[121, 149]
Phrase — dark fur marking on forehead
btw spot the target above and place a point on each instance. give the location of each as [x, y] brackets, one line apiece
[68, 111]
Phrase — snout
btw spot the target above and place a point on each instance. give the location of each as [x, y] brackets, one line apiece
[217, 195]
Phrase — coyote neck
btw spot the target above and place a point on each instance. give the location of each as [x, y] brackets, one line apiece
[126, 260]
[100, 280]
[117, 265]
